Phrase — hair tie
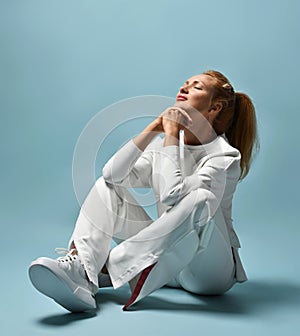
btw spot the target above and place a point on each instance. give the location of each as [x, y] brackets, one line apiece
[228, 86]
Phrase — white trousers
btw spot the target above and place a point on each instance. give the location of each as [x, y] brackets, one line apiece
[111, 212]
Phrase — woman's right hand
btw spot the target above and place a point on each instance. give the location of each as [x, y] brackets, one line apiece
[156, 125]
[172, 116]
[164, 123]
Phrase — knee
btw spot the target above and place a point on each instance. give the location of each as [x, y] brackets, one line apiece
[199, 197]
[200, 204]
[103, 187]
[100, 182]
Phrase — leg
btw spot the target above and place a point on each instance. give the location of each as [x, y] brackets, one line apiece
[109, 212]
[212, 269]
[169, 243]
[72, 280]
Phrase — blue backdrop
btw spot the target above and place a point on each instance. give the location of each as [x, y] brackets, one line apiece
[61, 62]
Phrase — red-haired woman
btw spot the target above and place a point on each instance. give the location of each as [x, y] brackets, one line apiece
[192, 244]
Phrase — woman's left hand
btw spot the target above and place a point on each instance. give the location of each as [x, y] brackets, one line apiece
[174, 119]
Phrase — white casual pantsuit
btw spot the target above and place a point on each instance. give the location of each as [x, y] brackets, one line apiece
[192, 242]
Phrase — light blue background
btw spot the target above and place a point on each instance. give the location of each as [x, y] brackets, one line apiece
[63, 61]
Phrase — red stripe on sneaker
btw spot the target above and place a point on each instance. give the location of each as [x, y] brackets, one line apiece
[139, 286]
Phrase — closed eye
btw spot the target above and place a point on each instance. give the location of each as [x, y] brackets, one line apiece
[198, 88]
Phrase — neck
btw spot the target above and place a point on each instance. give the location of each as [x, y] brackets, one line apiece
[195, 140]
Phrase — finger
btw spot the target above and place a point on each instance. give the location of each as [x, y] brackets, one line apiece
[182, 111]
[185, 113]
[188, 119]
[171, 112]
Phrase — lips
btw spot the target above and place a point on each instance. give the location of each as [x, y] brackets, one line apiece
[180, 97]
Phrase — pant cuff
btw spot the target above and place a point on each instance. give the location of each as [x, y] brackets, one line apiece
[119, 280]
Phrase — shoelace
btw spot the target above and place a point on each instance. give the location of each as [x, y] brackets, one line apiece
[70, 255]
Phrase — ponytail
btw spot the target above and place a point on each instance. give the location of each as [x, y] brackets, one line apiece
[236, 119]
[242, 132]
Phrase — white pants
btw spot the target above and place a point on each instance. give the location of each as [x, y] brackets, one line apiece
[111, 212]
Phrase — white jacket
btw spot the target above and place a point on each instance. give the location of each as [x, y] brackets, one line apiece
[174, 171]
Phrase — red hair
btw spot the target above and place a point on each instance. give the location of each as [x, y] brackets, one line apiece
[236, 119]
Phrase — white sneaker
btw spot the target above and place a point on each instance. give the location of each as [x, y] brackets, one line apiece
[64, 280]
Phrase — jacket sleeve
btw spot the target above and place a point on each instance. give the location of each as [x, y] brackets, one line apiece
[129, 167]
[212, 176]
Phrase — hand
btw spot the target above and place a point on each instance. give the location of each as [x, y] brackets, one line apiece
[174, 119]
[169, 122]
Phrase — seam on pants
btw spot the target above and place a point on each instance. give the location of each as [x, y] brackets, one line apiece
[96, 227]
[85, 260]
[131, 272]
[142, 264]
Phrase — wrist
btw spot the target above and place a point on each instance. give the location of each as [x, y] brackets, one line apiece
[174, 131]
[154, 126]
[171, 137]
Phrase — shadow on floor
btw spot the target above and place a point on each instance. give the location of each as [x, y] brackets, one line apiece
[252, 298]
[65, 319]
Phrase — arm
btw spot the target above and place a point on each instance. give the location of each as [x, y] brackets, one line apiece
[212, 176]
[130, 166]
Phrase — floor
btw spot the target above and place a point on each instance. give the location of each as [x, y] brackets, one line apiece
[269, 303]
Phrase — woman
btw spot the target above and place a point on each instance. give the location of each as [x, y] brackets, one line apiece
[192, 245]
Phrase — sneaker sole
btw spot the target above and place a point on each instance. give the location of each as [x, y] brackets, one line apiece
[53, 286]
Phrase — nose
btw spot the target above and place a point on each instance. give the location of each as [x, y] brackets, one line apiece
[184, 89]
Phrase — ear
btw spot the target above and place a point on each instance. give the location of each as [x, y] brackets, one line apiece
[214, 110]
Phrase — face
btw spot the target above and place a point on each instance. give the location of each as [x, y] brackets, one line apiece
[197, 91]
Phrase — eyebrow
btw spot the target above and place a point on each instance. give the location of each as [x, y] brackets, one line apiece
[195, 81]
